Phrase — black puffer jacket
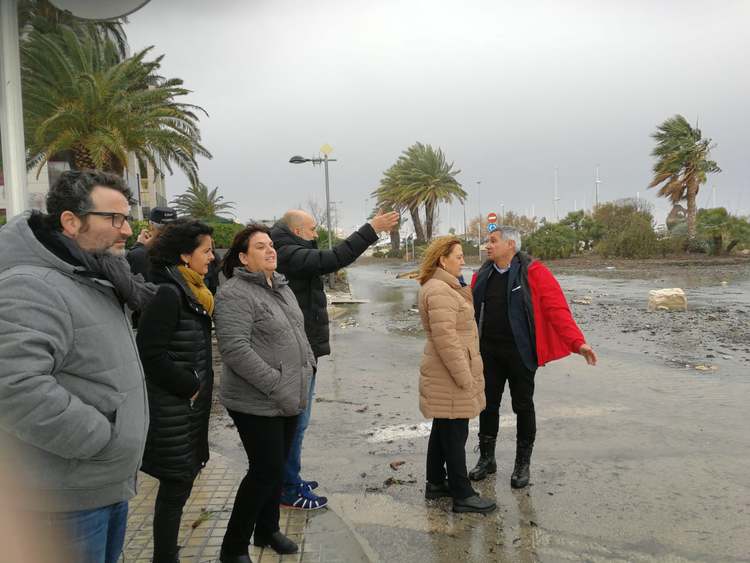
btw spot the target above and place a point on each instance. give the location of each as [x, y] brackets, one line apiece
[174, 341]
[303, 264]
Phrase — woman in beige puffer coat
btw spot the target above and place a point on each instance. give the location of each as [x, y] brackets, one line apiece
[451, 383]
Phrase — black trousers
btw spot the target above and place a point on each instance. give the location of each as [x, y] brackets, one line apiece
[500, 365]
[256, 506]
[170, 500]
[446, 450]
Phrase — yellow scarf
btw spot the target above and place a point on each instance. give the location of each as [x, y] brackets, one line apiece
[198, 287]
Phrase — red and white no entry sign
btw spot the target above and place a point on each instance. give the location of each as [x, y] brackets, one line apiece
[492, 218]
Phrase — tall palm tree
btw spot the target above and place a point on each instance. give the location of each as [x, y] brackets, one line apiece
[42, 16]
[426, 178]
[682, 164]
[387, 199]
[80, 97]
[200, 203]
[393, 193]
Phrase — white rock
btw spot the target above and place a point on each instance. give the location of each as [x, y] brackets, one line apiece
[672, 299]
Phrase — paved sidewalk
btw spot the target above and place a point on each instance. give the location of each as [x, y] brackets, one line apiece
[321, 535]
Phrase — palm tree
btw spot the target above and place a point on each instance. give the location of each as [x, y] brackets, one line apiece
[387, 200]
[42, 16]
[426, 178]
[393, 193]
[199, 203]
[80, 97]
[682, 164]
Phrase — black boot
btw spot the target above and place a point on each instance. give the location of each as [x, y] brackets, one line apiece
[224, 558]
[486, 463]
[433, 491]
[276, 541]
[520, 477]
[474, 503]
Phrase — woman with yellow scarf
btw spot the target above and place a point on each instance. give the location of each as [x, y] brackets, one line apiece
[174, 341]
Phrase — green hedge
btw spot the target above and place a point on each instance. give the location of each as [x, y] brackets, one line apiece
[223, 232]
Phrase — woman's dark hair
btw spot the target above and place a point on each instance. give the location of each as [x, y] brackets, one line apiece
[182, 236]
[72, 192]
[239, 244]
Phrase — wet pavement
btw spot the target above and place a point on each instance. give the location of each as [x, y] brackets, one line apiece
[321, 536]
[642, 458]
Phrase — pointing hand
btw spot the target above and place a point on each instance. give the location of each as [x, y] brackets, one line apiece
[385, 221]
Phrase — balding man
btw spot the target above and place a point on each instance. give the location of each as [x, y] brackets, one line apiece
[303, 264]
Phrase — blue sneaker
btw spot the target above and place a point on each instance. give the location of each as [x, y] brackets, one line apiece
[310, 485]
[303, 499]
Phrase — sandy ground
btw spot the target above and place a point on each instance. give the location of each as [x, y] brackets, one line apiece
[642, 458]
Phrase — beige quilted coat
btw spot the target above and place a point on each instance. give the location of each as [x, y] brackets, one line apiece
[451, 382]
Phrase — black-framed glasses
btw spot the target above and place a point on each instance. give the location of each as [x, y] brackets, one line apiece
[118, 219]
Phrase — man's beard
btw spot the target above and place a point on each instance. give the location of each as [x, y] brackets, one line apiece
[117, 251]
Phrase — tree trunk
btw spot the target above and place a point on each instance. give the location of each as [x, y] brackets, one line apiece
[692, 194]
[718, 245]
[731, 246]
[429, 218]
[82, 158]
[395, 239]
[417, 222]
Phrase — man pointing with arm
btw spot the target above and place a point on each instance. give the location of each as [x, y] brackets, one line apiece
[303, 264]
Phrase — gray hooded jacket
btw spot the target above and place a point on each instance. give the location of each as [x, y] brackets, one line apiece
[267, 359]
[73, 410]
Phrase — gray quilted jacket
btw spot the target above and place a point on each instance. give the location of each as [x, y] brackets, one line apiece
[268, 363]
[73, 412]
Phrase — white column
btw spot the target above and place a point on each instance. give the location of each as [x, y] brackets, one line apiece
[11, 112]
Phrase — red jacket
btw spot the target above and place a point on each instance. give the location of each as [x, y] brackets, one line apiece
[557, 334]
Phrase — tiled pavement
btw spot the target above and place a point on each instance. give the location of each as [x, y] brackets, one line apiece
[205, 520]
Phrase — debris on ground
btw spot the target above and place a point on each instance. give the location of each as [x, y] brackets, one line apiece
[393, 481]
[396, 464]
[203, 517]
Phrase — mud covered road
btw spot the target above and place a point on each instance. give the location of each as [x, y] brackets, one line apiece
[642, 458]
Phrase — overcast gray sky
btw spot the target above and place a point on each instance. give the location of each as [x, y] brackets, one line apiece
[509, 90]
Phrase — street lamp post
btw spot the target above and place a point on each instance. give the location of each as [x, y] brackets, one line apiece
[479, 225]
[324, 161]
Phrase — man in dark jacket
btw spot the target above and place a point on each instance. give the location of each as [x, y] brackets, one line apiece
[524, 322]
[303, 264]
[138, 254]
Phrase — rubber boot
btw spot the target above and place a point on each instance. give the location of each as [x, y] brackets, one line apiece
[520, 477]
[486, 463]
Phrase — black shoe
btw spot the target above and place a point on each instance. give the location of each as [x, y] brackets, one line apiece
[474, 503]
[521, 472]
[486, 464]
[432, 491]
[278, 542]
[244, 558]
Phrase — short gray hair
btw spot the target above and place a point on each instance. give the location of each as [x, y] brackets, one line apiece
[507, 232]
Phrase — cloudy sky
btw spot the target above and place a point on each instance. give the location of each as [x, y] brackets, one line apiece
[509, 90]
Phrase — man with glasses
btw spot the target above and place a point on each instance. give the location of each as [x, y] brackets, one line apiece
[73, 411]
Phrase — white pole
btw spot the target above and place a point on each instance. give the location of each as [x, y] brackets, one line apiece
[596, 192]
[556, 199]
[479, 225]
[11, 111]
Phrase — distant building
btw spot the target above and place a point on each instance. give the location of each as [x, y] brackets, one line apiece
[146, 182]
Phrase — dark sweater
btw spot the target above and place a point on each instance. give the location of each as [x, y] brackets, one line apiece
[497, 331]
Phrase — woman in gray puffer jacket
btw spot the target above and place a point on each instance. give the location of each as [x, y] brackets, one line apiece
[268, 365]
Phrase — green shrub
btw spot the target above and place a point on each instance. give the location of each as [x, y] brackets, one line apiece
[553, 240]
[378, 254]
[224, 233]
[634, 239]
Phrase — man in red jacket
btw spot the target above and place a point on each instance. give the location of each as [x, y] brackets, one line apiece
[524, 322]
